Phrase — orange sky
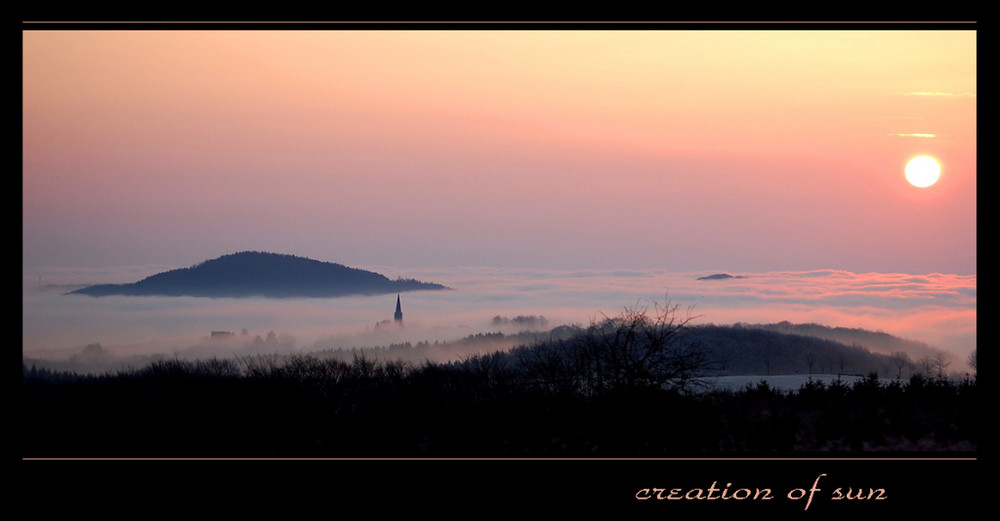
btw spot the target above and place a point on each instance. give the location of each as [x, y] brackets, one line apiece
[680, 150]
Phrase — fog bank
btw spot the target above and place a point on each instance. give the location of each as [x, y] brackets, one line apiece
[936, 309]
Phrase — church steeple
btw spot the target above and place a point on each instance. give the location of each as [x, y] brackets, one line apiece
[399, 310]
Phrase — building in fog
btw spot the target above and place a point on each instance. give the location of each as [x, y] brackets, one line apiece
[397, 318]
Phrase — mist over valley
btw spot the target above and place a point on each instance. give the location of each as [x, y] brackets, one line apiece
[507, 363]
[922, 314]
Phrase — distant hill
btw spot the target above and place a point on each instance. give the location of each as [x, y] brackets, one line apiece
[875, 341]
[721, 276]
[251, 274]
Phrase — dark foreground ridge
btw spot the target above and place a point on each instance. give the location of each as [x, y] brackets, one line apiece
[253, 274]
[638, 385]
[306, 406]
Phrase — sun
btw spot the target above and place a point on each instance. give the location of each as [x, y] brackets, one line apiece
[922, 171]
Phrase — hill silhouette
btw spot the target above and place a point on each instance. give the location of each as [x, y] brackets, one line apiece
[721, 276]
[262, 274]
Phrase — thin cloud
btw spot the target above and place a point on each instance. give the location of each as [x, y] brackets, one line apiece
[919, 135]
[940, 94]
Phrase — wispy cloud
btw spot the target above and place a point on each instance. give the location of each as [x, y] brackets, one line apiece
[920, 135]
[941, 94]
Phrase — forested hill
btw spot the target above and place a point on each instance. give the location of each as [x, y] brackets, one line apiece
[875, 341]
[248, 274]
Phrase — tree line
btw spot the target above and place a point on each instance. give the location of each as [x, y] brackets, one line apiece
[625, 386]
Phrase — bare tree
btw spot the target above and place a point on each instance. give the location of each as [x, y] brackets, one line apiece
[841, 363]
[900, 359]
[940, 363]
[972, 361]
[926, 365]
[641, 348]
[811, 361]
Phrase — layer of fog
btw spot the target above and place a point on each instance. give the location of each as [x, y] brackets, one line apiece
[936, 309]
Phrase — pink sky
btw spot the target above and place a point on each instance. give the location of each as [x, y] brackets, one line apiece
[674, 150]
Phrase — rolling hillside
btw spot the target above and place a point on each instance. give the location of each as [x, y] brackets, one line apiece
[250, 274]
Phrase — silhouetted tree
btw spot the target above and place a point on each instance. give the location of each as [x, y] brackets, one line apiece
[841, 362]
[641, 349]
[810, 360]
[940, 363]
[900, 359]
[926, 365]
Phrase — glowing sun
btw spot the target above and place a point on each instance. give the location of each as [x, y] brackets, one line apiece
[922, 171]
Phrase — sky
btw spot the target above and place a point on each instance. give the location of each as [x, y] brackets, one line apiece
[561, 173]
[673, 150]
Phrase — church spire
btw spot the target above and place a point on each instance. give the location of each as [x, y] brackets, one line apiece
[399, 310]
